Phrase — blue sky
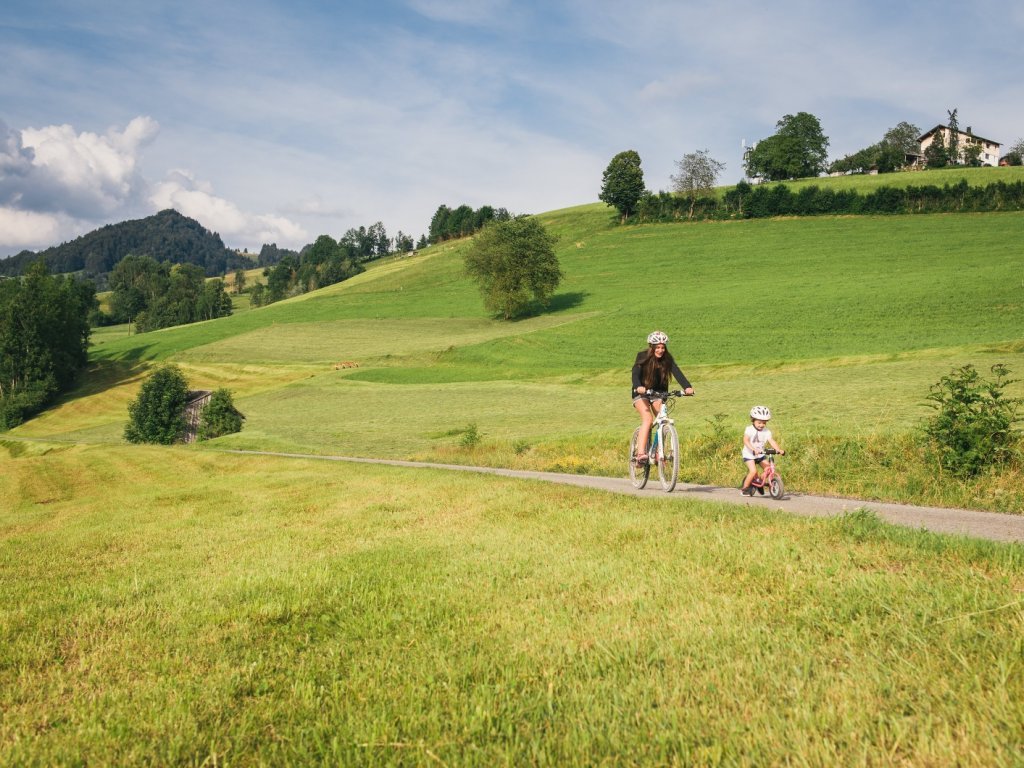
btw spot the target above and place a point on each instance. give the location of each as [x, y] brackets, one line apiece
[272, 121]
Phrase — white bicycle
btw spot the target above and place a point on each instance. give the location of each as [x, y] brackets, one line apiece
[662, 445]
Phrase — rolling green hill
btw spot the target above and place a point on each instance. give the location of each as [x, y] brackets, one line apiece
[165, 236]
[840, 324]
[181, 606]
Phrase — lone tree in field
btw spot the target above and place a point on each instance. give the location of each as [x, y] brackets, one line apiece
[157, 415]
[622, 184]
[798, 150]
[514, 264]
[698, 175]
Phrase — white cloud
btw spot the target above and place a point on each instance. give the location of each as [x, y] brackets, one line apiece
[84, 173]
[57, 183]
[26, 229]
[328, 116]
[196, 199]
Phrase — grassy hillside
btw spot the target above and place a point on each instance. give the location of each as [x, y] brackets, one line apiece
[839, 324]
[862, 183]
[180, 606]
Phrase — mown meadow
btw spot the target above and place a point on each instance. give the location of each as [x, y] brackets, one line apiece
[182, 607]
[840, 325]
[188, 606]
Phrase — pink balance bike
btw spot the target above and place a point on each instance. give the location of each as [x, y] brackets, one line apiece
[770, 479]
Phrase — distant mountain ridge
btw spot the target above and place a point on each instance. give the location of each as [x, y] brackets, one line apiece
[165, 236]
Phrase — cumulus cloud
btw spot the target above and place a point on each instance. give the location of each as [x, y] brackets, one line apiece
[57, 183]
[26, 229]
[196, 199]
[15, 160]
[85, 175]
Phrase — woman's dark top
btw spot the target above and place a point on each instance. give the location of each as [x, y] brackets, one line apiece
[660, 386]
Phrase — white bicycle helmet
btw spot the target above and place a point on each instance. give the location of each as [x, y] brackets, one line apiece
[658, 337]
[760, 412]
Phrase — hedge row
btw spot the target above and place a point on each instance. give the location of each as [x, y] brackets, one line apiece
[749, 202]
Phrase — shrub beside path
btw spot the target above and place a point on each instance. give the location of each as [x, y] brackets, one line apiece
[994, 526]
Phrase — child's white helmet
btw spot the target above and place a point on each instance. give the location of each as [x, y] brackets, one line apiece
[658, 337]
[760, 412]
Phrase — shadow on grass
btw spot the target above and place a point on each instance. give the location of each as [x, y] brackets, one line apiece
[563, 301]
[558, 303]
[101, 375]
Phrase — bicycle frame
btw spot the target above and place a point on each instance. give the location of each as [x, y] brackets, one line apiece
[655, 443]
[662, 446]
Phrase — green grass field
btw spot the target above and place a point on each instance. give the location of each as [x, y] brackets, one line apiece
[841, 325]
[183, 606]
[938, 177]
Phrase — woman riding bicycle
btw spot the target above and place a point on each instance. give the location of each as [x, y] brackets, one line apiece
[651, 375]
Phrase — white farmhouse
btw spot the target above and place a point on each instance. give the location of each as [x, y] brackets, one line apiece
[989, 149]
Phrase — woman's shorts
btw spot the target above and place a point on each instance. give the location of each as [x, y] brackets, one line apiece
[644, 396]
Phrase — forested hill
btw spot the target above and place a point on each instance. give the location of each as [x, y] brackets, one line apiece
[166, 236]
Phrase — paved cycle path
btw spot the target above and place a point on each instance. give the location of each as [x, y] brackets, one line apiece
[983, 525]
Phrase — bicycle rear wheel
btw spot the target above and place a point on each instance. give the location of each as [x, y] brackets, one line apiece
[776, 488]
[668, 461]
[638, 473]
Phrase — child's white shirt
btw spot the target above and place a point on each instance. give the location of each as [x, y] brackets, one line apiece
[758, 438]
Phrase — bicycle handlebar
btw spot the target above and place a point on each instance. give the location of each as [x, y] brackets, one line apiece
[650, 394]
[773, 452]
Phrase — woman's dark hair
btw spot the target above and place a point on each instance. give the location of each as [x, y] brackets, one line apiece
[654, 373]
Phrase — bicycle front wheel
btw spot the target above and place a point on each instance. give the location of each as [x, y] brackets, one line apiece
[776, 488]
[638, 473]
[668, 458]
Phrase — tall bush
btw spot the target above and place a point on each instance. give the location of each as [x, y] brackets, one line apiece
[157, 415]
[219, 417]
[973, 428]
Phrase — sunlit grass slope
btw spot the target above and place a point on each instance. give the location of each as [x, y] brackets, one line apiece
[738, 292]
[864, 183]
[180, 607]
[841, 325]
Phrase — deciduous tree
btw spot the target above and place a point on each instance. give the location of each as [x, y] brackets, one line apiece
[888, 155]
[157, 415]
[698, 175]
[798, 149]
[44, 339]
[1015, 153]
[515, 265]
[622, 184]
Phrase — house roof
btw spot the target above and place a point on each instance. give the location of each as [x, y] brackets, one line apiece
[938, 128]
